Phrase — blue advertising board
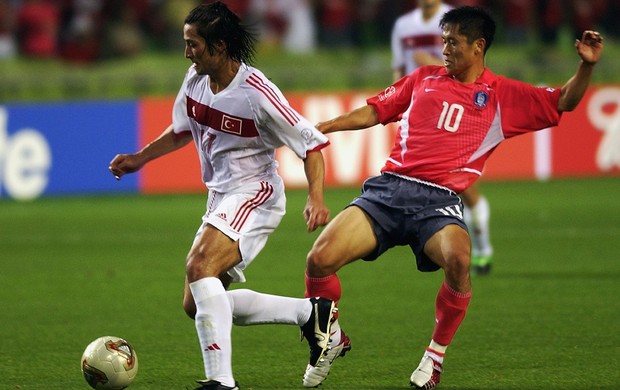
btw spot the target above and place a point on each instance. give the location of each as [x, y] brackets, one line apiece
[65, 148]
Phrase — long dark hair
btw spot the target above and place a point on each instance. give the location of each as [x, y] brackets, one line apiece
[216, 22]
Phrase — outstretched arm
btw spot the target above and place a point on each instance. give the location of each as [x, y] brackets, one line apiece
[360, 118]
[315, 212]
[167, 142]
[589, 49]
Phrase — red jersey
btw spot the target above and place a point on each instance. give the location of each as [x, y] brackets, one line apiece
[448, 129]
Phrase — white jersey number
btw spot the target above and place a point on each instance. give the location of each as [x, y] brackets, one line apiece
[450, 117]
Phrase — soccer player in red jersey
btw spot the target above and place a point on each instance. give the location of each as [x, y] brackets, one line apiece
[417, 41]
[451, 117]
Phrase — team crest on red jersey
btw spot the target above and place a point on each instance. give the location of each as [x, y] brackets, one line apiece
[481, 98]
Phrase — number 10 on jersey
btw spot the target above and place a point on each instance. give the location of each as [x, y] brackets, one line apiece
[450, 118]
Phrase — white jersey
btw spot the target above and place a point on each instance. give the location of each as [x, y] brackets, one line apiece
[237, 130]
[411, 32]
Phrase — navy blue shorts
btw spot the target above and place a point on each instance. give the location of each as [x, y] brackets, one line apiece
[408, 212]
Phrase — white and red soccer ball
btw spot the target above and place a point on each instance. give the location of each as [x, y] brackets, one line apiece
[109, 363]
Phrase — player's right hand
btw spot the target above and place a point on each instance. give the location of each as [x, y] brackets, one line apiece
[122, 164]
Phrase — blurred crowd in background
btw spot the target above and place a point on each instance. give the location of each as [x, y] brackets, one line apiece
[84, 31]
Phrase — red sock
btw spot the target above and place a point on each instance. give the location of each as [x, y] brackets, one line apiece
[327, 287]
[450, 309]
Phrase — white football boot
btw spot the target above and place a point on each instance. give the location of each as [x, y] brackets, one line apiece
[316, 374]
[427, 375]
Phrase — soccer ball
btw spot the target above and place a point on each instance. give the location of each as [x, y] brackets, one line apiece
[109, 363]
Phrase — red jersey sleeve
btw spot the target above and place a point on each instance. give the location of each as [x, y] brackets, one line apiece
[394, 100]
[526, 108]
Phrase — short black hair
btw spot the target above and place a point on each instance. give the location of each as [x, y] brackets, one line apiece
[216, 22]
[472, 22]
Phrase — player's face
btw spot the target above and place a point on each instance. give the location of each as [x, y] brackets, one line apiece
[460, 56]
[196, 50]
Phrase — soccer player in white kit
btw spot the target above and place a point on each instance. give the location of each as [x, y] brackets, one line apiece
[237, 118]
[451, 118]
[416, 41]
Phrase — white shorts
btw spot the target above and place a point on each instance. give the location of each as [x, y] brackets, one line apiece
[248, 215]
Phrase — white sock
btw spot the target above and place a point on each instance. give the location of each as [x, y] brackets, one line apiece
[214, 325]
[482, 214]
[437, 351]
[468, 218]
[253, 308]
[477, 219]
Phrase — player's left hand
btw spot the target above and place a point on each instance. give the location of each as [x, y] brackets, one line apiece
[590, 47]
[316, 214]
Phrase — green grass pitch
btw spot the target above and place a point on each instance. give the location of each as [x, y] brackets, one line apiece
[548, 317]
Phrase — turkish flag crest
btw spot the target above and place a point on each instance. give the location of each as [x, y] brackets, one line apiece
[231, 125]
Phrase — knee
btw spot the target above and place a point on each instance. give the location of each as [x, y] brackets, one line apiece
[194, 265]
[318, 264]
[457, 267]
